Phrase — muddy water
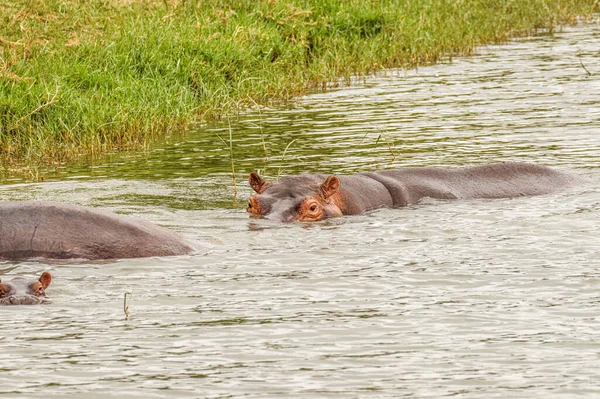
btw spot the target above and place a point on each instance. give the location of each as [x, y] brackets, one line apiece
[474, 299]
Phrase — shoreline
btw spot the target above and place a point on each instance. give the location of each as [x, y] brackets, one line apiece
[80, 81]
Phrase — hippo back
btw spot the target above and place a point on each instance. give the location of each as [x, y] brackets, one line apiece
[62, 231]
[500, 180]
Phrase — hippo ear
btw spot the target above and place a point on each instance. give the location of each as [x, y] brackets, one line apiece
[257, 183]
[45, 279]
[330, 187]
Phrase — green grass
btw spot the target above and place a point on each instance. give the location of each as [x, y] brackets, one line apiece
[83, 78]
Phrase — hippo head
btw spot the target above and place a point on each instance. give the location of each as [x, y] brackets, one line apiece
[304, 198]
[23, 291]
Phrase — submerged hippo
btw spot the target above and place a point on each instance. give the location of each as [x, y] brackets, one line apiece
[50, 230]
[23, 291]
[316, 197]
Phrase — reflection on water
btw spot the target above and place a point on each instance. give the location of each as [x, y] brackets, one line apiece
[474, 299]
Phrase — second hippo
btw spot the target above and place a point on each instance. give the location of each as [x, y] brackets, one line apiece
[48, 230]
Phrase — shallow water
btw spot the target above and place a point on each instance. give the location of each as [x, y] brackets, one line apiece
[475, 299]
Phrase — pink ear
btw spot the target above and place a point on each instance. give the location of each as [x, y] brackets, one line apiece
[257, 183]
[45, 279]
[330, 186]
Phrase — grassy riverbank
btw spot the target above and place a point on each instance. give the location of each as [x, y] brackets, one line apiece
[79, 79]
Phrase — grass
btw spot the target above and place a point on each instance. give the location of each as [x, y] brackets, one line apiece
[82, 79]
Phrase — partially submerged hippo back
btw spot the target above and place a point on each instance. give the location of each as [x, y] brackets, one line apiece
[316, 197]
[23, 291]
[62, 231]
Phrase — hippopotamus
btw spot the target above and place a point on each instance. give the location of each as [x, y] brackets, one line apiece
[23, 291]
[313, 197]
[48, 230]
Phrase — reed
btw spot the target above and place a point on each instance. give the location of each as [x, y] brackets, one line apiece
[281, 163]
[82, 79]
[229, 146]
[126, 301]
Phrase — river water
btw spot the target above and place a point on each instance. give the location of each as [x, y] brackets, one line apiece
[474, 299]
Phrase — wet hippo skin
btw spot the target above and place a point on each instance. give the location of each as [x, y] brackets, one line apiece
[316, 197]
[62, 231]
[24, 291]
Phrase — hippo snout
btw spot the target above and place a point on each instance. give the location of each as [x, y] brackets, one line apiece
[23, 300]
[283, 211]
[278, 217]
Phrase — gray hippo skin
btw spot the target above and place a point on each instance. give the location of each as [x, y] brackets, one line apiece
[50, 230]
[316, 197]
[23, 291]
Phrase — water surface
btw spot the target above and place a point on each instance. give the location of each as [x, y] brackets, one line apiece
[475, 299]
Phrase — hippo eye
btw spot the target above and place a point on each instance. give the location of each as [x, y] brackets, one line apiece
[313, 208]
[249, 205]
